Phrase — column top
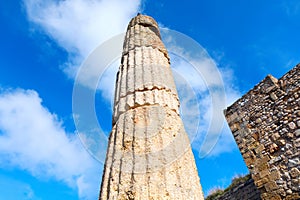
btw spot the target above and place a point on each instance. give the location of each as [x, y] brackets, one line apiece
[143, 31]
[143, 20]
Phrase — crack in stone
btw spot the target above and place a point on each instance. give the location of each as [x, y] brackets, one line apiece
[164, 52]
[115, 121]
[152, 89]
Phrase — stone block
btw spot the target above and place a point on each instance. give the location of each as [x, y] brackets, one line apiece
[273, 96]
[271, 186]
[297, 143]
[293, 197]
[267, 196]
[295, 173]
[273, 148]
[234, 127]
[292, 125]
[259, 149]
[261, 166]
[264, 173]
[297, 132]
[274, 175]
[261, 182]
[275, 136]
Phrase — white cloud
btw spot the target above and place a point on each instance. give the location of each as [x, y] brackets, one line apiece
[33, 139]
[95, 21]
[79, 26]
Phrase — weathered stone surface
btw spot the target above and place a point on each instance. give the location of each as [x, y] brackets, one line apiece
[149, 154]
[271, 116]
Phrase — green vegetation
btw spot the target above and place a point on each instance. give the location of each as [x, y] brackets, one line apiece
[215, 194]
[235, 182]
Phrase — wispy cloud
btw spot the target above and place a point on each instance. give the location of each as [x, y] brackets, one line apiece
[291, 7]
[198, 107]
[33, 139]
[213, 88]
[13, 189]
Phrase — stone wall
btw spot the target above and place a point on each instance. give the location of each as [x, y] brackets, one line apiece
[246, 190]
[243, 190]
[265, 123]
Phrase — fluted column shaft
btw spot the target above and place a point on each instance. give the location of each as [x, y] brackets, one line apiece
[149, 155]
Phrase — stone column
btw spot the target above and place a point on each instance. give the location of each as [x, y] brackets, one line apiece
[149, 154]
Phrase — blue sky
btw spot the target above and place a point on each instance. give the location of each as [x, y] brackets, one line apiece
[44, 42]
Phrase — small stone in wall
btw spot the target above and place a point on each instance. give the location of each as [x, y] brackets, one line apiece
[297, 143]
[281, 142]
[273, 147]
[293, 162]
[297, 132]
[276, 136]
[292, 125]
[289, 191]
[289, 152]
[273, 96]
[274, 160]
[290, 135]
[258, 120]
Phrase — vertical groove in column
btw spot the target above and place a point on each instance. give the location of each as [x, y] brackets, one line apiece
[161, 69]
[120, 167]
[121, 162]
[105, 177]
[116, 90]
[147, 76]
[130, 78]
[156, 68]
[112, 164]
[133, 140]
[138, 73]
[123, 78]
